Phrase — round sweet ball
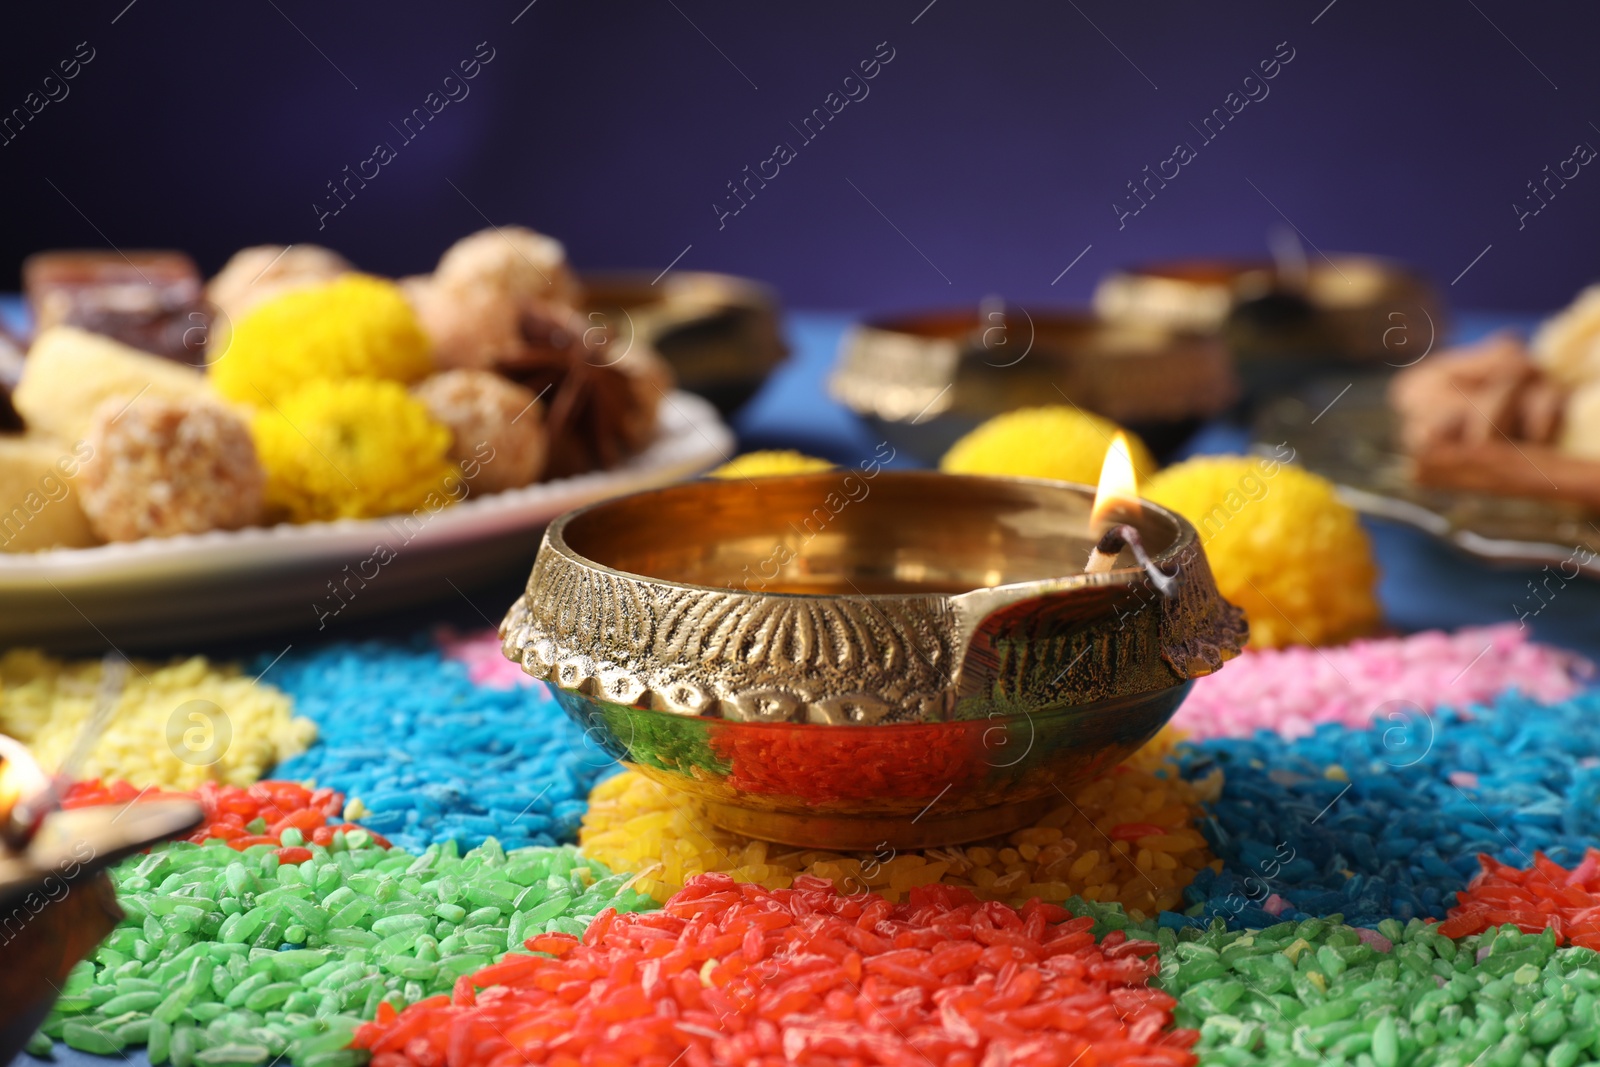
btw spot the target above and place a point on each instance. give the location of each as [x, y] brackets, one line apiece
[771, 461]
[472, 305]
[355, 448]
[164, 466]
[1281, 545]
[497, 427]
[356, 326]
[473, 326]
[257, 274]
[1056, 441]
[514, 260]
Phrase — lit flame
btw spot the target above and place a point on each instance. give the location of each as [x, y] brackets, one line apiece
[1118, 494]
[20, 776]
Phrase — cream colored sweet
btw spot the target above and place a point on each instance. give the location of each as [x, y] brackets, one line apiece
[162, 467]
[40, 506]
[497, 427]
[1567, 344]
[1580, 430]
[471, 327]
[69, 372]
[520, 262]
[473, 304]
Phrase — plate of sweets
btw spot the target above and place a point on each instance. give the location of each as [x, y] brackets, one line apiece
[296, 441]
[1494, 446]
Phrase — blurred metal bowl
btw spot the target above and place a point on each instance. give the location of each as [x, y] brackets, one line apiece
[1285, 325]
[849, 658]
[924, 380]
[719, 333]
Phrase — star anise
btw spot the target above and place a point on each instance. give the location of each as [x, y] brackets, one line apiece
[589, 405]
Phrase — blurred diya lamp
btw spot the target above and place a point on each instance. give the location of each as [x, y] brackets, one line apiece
[924, 380]
[56, 901]
[1287, 318]
[859, 659]
[719, 333]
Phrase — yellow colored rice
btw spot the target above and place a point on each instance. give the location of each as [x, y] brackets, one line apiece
[633, 824]
[169, 726]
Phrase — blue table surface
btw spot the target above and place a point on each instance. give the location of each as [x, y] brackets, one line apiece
[1425, 584]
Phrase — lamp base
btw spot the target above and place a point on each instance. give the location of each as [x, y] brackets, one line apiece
[871, 833]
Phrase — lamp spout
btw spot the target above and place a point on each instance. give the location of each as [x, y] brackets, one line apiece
[1081, 638]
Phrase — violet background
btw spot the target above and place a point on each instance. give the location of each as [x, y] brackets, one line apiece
[994, 142]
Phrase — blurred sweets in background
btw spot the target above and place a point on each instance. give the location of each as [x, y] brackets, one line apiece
[755, 464]
[356, 448]
[1281, 545]
[1502, 416]
[256, 275]
[1056, 441]
[294, 388]
[151, 301]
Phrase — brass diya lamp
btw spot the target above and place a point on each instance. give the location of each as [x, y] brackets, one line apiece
[56, 901]
[862, 658]
[922, 380]
[1286, 318]
[719, 333]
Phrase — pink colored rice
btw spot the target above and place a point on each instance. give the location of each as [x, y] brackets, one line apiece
[1294, 690]
[480, 652]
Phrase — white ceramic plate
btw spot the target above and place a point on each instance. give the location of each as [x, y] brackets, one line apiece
[311, 578]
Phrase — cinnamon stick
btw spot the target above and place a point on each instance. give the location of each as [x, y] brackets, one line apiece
[1516, 470]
